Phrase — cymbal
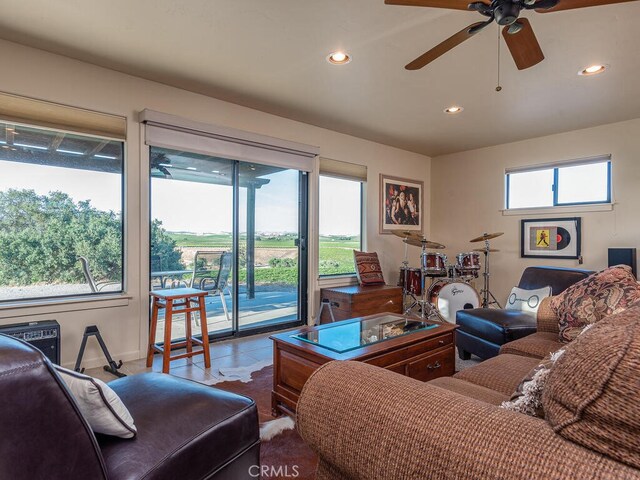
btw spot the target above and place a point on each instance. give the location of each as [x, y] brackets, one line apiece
[491, 250]
[417, 239]
[427, 244]
[486, 236]
[408, 234]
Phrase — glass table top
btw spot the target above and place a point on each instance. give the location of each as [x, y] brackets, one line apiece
[344, 337]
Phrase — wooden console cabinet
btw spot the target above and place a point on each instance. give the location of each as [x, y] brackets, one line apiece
[359, 301]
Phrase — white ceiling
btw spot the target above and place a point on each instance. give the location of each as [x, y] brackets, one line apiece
[270, 55]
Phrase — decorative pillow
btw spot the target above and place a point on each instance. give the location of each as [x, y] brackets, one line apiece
[99, 404]
[594, 298]
[527, 300]
[591, 397]
[368, 268]
[527, 398]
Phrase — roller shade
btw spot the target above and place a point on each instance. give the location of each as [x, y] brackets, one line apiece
[349, 171]
[170, 131]
[560, 164]
[39, 113]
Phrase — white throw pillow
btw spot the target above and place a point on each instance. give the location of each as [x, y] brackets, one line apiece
[99, 404]
[527, 300]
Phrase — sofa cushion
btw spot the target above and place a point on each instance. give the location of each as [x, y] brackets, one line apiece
[591, 397]
[99, 404]
[496, 325]
[469, 390]
[185, 429]
[537, 345]
[502, 373]
[368, 268]
[594, 298]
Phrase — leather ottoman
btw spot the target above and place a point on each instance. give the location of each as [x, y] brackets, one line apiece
[482, 331]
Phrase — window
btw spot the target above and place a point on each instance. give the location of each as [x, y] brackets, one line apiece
[61, 201]
[575, 183]
[340, 207]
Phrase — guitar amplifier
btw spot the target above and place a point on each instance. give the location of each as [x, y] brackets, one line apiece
[44, 335]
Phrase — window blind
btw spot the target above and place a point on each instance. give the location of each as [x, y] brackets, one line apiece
[339, 169]
[564, 163]
[170, 131]
[29, 111]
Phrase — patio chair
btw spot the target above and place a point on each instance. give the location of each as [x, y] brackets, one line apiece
[211, 272]
[95, 287]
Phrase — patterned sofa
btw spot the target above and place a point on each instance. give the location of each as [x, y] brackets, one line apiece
[365, 422]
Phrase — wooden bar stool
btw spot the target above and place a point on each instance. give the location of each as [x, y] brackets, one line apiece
[178, 300]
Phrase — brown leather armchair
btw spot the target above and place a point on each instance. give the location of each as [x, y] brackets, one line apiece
[185, 430]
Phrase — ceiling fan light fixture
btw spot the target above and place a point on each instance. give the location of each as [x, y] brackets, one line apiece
[452, 110]
[338, 58]
[593, 70]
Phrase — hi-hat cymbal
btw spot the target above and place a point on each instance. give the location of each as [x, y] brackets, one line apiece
[486, 236]
[423, 241]
[491, 250]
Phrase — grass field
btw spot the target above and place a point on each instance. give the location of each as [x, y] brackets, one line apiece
[336, 253]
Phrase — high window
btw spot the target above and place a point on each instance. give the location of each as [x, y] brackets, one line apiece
[573, 183]
[61, 204]
[340, 212]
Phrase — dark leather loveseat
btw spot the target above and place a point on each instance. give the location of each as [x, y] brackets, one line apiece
[185, 430]
[482, 331]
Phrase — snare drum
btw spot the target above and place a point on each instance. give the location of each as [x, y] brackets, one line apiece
[414, 280]
[434, 264]
[468, 262]
[449, 297]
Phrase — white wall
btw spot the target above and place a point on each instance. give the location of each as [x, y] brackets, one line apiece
[467, 196]
[46, 76]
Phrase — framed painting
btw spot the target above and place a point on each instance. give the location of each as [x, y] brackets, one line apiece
[551, 238]
[401, 204]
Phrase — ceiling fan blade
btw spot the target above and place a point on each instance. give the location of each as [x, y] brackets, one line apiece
[450, 4]
[570, 4]
[445, 46]
[523, 45]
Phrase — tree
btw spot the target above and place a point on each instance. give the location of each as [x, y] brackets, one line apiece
[41, 237]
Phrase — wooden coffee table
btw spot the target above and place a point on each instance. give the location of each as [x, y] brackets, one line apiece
[406, 345]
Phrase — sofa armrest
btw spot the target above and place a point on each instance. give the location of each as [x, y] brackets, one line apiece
[547, 320]
[366, 422]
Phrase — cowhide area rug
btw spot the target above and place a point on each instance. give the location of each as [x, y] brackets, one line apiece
[282, 450]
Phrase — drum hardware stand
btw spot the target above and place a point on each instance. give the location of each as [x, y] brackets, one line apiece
[488, 298]
[113, 367]
[325, 302]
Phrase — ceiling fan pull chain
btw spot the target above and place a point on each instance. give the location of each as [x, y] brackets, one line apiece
[498, 87]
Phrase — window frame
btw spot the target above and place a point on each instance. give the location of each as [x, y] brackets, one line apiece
[556, 184]
[322, 276]
[121, 293]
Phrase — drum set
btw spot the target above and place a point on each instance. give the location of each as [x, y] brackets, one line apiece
[439, 289]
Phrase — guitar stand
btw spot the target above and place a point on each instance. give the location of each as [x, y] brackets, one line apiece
[325, 302]
[113, 367]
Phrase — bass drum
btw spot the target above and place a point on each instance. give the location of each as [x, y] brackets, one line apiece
[449, 297]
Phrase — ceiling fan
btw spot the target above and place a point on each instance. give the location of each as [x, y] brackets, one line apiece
[517, 32]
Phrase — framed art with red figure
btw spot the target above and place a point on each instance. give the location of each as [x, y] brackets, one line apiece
[401, 204]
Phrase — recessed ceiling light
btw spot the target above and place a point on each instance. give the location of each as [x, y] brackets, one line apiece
[192, 168]
[338, 58]
[215, 171]
[453, 109]
[593, 70]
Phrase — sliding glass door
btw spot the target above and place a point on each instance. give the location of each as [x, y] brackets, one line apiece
[234, 229]
[269, 238]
